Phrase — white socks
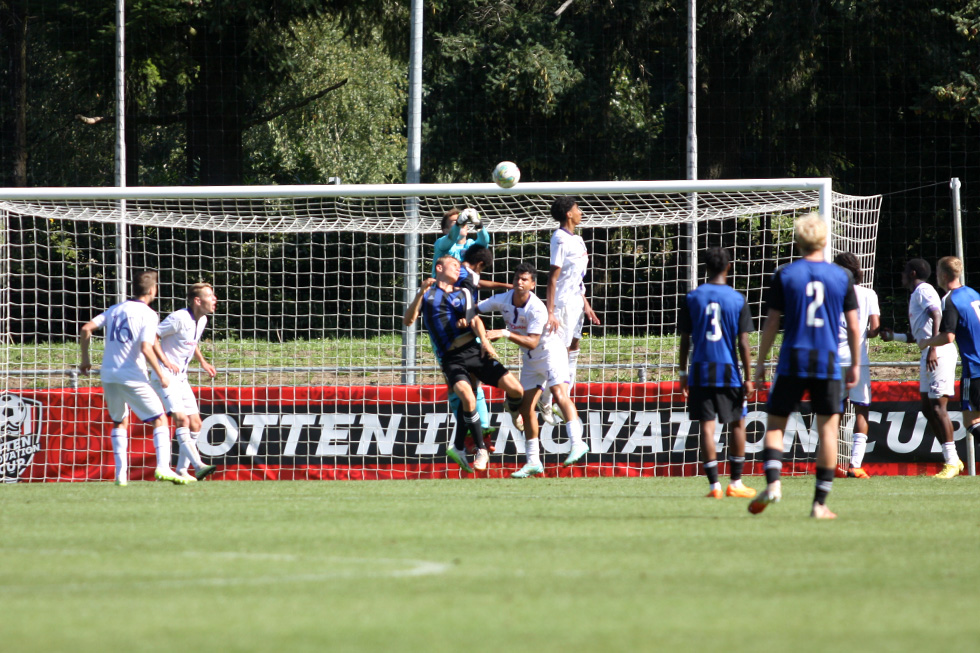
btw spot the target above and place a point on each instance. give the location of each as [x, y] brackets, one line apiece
[188, 450]
[572, 367]
[949, 453]
[574, 430]
[120, 444]
[532, 448]
[857, 448]
[161, 442]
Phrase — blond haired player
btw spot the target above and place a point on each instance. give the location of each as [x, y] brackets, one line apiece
[176, 347]
[131, 331]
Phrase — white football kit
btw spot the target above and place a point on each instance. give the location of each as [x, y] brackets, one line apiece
[569, 253]
[867, 306]
[547, 364]
[939, 382]
[123, 370]
[179, 335]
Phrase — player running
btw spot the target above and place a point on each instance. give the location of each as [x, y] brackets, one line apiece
[179, 336]
[131, 331]
[937, 364]
[960, 323]
[453, 326]
[869, 323]
[717, 318]
[566, 301]
[545, 365]
[812, 294]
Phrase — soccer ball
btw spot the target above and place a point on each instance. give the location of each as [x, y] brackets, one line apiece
[13, 413]
[506, 174]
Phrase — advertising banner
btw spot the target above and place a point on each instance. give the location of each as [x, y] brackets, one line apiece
[401, 432]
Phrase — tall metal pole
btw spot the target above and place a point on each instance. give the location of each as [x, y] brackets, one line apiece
[121, 249]
[692, 138]
[413, 176]
[954, 191]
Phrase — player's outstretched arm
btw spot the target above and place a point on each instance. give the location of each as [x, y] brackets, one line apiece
[769, 332]
[415, 306]
[84, 339]
[205, 365]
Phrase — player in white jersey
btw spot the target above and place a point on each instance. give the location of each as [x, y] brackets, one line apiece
[176, 347]
[937, 365]
[131, 331]
[567, 303]
[544, 365]
[869, 323]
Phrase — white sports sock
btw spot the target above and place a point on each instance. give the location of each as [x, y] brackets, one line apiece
[572, 367]
[161, 442]
[531, 447]
[120, 444]
[188, 450]
[949, 453]
[574, 430]
[858, 448]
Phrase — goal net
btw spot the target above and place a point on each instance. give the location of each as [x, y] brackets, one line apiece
[317, 377]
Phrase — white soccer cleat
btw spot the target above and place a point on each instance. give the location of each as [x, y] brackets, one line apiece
[187, 476]
[481, 460]
[579, 449]
[547, 413]
[517, 419]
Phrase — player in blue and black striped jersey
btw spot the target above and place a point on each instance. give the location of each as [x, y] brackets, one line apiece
[810, 295]
[450, 317]
[960, 324]
[716, 319]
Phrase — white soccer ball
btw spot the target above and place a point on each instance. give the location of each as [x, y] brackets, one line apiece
[506, 174]
[13, 412]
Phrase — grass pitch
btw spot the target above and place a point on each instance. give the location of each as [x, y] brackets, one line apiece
[565, 564]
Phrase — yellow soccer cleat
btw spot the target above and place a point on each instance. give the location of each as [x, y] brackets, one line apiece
[950, 470]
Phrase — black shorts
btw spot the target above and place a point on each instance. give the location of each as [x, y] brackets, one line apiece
[460, 363]
[970, 394]
[707, 403]
[826, 395]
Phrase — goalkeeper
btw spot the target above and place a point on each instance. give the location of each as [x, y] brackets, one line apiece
[456, 227]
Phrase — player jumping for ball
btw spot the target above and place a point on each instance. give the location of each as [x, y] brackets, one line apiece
[454, 327]
[811, 293]
[545, 365]
[566, 301]
[131, 331]
[717, 318]
[179, 335]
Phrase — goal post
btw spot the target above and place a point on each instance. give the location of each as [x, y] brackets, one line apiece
[316, 379]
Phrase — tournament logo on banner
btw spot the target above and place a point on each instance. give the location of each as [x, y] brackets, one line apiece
[20, 435]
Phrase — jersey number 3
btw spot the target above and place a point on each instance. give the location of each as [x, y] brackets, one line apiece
[713, 311]
[814, 289]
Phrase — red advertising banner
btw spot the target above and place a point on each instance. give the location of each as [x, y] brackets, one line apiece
[386, 432]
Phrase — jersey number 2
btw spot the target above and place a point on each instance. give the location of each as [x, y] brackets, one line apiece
[814, 289]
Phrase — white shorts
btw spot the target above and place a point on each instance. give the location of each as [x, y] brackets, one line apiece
[176, 397]
[547, 371]
[941, 381]
[861, 393]
[139, 397]
[571, 316]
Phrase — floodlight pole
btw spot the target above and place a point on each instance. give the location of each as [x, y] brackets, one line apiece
[413, 176]
[121, 248]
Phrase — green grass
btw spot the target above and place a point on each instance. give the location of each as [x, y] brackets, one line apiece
[568, 564]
